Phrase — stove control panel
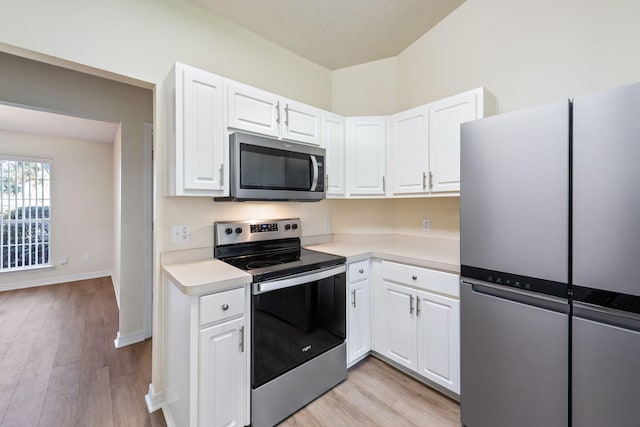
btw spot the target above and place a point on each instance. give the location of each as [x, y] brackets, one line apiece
[231, 232]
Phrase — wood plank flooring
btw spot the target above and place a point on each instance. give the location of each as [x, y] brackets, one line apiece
[59, 367]
[376, 394]
[58, 363]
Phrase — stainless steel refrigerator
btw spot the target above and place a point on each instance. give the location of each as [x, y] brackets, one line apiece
[550, 233]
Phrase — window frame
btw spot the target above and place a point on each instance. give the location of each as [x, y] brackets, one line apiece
[42, 222]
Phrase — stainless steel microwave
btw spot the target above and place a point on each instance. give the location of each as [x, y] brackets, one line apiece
[263, 168]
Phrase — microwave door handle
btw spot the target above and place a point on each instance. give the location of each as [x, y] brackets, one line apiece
[314, 181]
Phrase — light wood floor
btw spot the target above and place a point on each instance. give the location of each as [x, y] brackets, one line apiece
[59, 367]
[58, 363]
[376, 394]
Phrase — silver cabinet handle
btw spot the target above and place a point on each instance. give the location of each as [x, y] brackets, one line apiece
[353, 297]
[430, 180]
[414, 277]
[384, 185]
[417, 306]
[286, 115]
[410, 304]
[222, 175]
[278, 111]
[225, 307]
[361, 271]
[326, 181]
[424, 180]
[242, 339]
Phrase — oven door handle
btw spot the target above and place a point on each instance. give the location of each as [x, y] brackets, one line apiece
[298, 279]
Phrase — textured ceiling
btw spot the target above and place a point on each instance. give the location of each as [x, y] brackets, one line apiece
[336, 33]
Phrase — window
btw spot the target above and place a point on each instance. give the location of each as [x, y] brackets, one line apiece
[24, 212]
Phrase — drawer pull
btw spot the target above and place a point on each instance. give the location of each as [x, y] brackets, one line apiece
[225, 307]
[361, 271]
[414, 277]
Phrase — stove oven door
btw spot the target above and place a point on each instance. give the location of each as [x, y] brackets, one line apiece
[296, 319]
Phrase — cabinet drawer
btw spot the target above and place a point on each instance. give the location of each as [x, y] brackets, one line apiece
[422, 278]
[220, 306]
[358, 271]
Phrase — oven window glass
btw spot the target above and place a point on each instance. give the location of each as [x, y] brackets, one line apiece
[293, 325]
[272, 169]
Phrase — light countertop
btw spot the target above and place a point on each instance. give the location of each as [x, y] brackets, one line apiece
[210, 275]
[434, 253]
[206, 276]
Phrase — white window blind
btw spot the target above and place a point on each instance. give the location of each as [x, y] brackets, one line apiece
[25, 212]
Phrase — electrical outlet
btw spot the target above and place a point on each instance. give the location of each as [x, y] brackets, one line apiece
[88, 257]
[180, 233]
[426, 224]
[64, 260]
[327, 224]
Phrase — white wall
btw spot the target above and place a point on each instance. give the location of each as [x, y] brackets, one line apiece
[81, 214]
[365, 89]
[525, 52]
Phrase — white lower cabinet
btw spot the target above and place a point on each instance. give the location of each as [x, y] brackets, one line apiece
[417, 321]
[358, 312]
[206, 358]
[438, 331]
[222, 370]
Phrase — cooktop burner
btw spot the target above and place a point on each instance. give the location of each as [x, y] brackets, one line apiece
[268, 249]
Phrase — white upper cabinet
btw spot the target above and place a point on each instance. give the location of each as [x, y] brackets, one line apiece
[366, 151]
[259, 111]
[253, 110]
[411, 151]
[333, 141]
[195, 134]
[445, 117]
[301, 122]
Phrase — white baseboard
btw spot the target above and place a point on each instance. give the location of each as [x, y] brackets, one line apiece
[154, 400]
[124, 340]
[53, 280]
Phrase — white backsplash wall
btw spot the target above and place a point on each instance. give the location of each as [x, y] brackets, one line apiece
[443, 212]
[199, 214]
[397, 216]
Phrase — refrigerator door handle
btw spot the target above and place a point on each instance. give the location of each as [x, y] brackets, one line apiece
[597, 313]
[534, 299]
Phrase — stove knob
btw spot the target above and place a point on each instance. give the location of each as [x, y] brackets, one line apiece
[294, 226]
[238, 230]
[228, 231]
[287, 227]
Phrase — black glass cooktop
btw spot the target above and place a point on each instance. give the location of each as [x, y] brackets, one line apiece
[277, 263]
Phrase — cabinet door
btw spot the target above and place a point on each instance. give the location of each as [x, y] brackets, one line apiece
[439, 339]
[222, 366]
[366, 142]
[359, 328]
[301, 122]
[399, 324]
[333, 137]
[202, 131]
[253, 110]
[410, 151]
[445, 118]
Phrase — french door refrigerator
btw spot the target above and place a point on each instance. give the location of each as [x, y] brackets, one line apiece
[550, 240]
[514, 240]
[606, 258]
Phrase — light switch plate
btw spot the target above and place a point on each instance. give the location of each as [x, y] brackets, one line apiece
[426, 224]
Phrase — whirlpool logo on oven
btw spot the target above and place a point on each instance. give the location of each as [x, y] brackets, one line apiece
[305, 349]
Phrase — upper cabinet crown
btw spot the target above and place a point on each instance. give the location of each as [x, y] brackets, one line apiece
[258, 111]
